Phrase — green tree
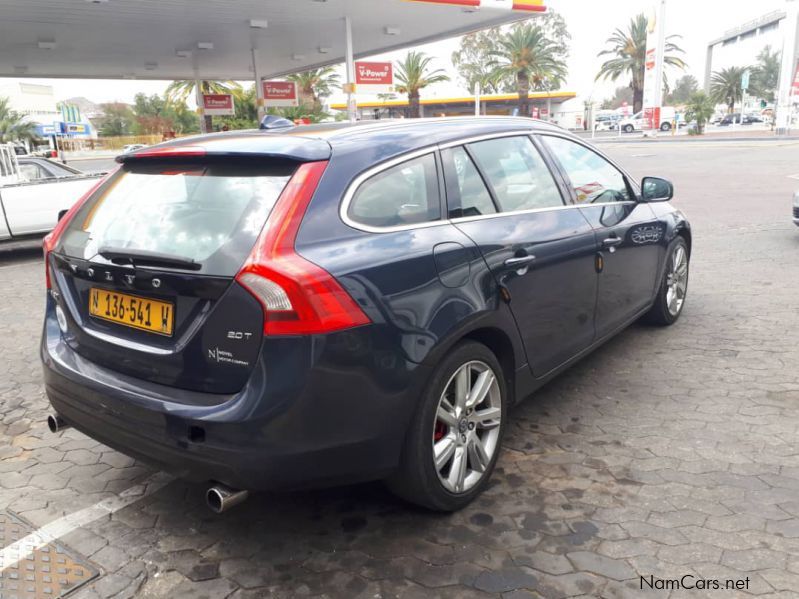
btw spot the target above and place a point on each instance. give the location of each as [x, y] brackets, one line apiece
[316, 84]
[621, 95]
[472, 61]
[303, 111]
[700, 108]
[181, 90]
[246, 111]
[413, 74]
[13, 127]
[725, 86]
[766, 74]
[684, 89]
[533, 60]
[473, 57]
[628, 49]
[118, 119]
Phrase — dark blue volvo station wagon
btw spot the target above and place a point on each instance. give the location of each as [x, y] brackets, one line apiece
[332, 304]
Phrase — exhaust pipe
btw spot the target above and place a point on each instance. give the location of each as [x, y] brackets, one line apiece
[56, 424]
[221, 498]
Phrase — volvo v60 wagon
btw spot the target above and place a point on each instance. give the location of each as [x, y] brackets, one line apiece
[334, 304]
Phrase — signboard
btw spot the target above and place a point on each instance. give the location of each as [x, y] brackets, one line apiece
[745, 80]
[795, 84]
[653, 72]
[544, 112]
[374, 77]
[77, 128]
[218, 104]
[280, 93]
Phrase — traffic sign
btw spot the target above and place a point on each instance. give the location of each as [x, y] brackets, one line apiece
[745, 80]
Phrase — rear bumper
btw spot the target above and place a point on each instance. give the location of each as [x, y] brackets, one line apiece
[317, 426]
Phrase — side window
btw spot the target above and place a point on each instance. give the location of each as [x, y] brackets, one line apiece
[405, 194]
[33, 172]
[517, 173]
[466, 192]
[594, 179]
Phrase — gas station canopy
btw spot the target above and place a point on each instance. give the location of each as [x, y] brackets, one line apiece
[215, 39]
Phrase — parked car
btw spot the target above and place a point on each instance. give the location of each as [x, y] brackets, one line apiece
[606, 122]
[348, 302]
[34, 168]
[132, 148]
[796, 208]
[637, 122]
[34, 192]
[735, 118]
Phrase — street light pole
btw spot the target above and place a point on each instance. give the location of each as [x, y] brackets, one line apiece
[788, 67]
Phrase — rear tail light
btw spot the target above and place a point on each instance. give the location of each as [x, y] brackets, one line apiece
[51, 239]
[299, 297]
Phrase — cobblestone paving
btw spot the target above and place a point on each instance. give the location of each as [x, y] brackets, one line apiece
[665, 453]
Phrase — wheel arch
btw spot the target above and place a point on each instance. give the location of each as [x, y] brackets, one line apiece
[685, 233]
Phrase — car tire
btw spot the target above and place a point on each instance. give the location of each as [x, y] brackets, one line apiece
[628, 128]
[419, 479]
[665, 126]
[670, 299]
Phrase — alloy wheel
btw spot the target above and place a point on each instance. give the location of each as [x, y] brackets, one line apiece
[467, 425]
[677, 281]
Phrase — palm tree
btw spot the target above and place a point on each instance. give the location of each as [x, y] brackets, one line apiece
[725, 86]
[413, 74]
[12, 125]
[180, 90]
[531, 58]
[700, 108]
[316, 84]
[629, 51]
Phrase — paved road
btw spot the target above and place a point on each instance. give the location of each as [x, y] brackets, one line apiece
[665, 453]
[93, 165]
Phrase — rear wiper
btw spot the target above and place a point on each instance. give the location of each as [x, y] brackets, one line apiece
[147, 258]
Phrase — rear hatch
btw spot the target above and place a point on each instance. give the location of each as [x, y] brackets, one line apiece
[146, 268]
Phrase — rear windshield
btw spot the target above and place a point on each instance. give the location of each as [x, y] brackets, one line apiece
[209, 213]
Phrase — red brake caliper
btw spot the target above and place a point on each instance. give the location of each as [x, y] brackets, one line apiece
[439, 431]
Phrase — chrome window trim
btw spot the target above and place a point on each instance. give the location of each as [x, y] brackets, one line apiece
[464, 219]
[383, 166]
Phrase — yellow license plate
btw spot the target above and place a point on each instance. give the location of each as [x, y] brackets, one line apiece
[133, 311]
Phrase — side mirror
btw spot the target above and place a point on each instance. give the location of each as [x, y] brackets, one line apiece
[655, 189]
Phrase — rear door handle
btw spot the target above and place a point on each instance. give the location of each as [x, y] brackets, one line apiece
[612, 242]
[519, 262]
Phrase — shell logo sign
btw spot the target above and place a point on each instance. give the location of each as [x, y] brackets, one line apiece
[522, 5]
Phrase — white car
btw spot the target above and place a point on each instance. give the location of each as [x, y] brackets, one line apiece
[636, 122]
[31, 202]
[796, 208]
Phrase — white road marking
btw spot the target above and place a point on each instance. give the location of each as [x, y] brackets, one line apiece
[796, 176]
[56, 529]
[641, 155]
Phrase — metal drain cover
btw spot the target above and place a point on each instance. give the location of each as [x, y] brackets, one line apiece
[50, 571]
